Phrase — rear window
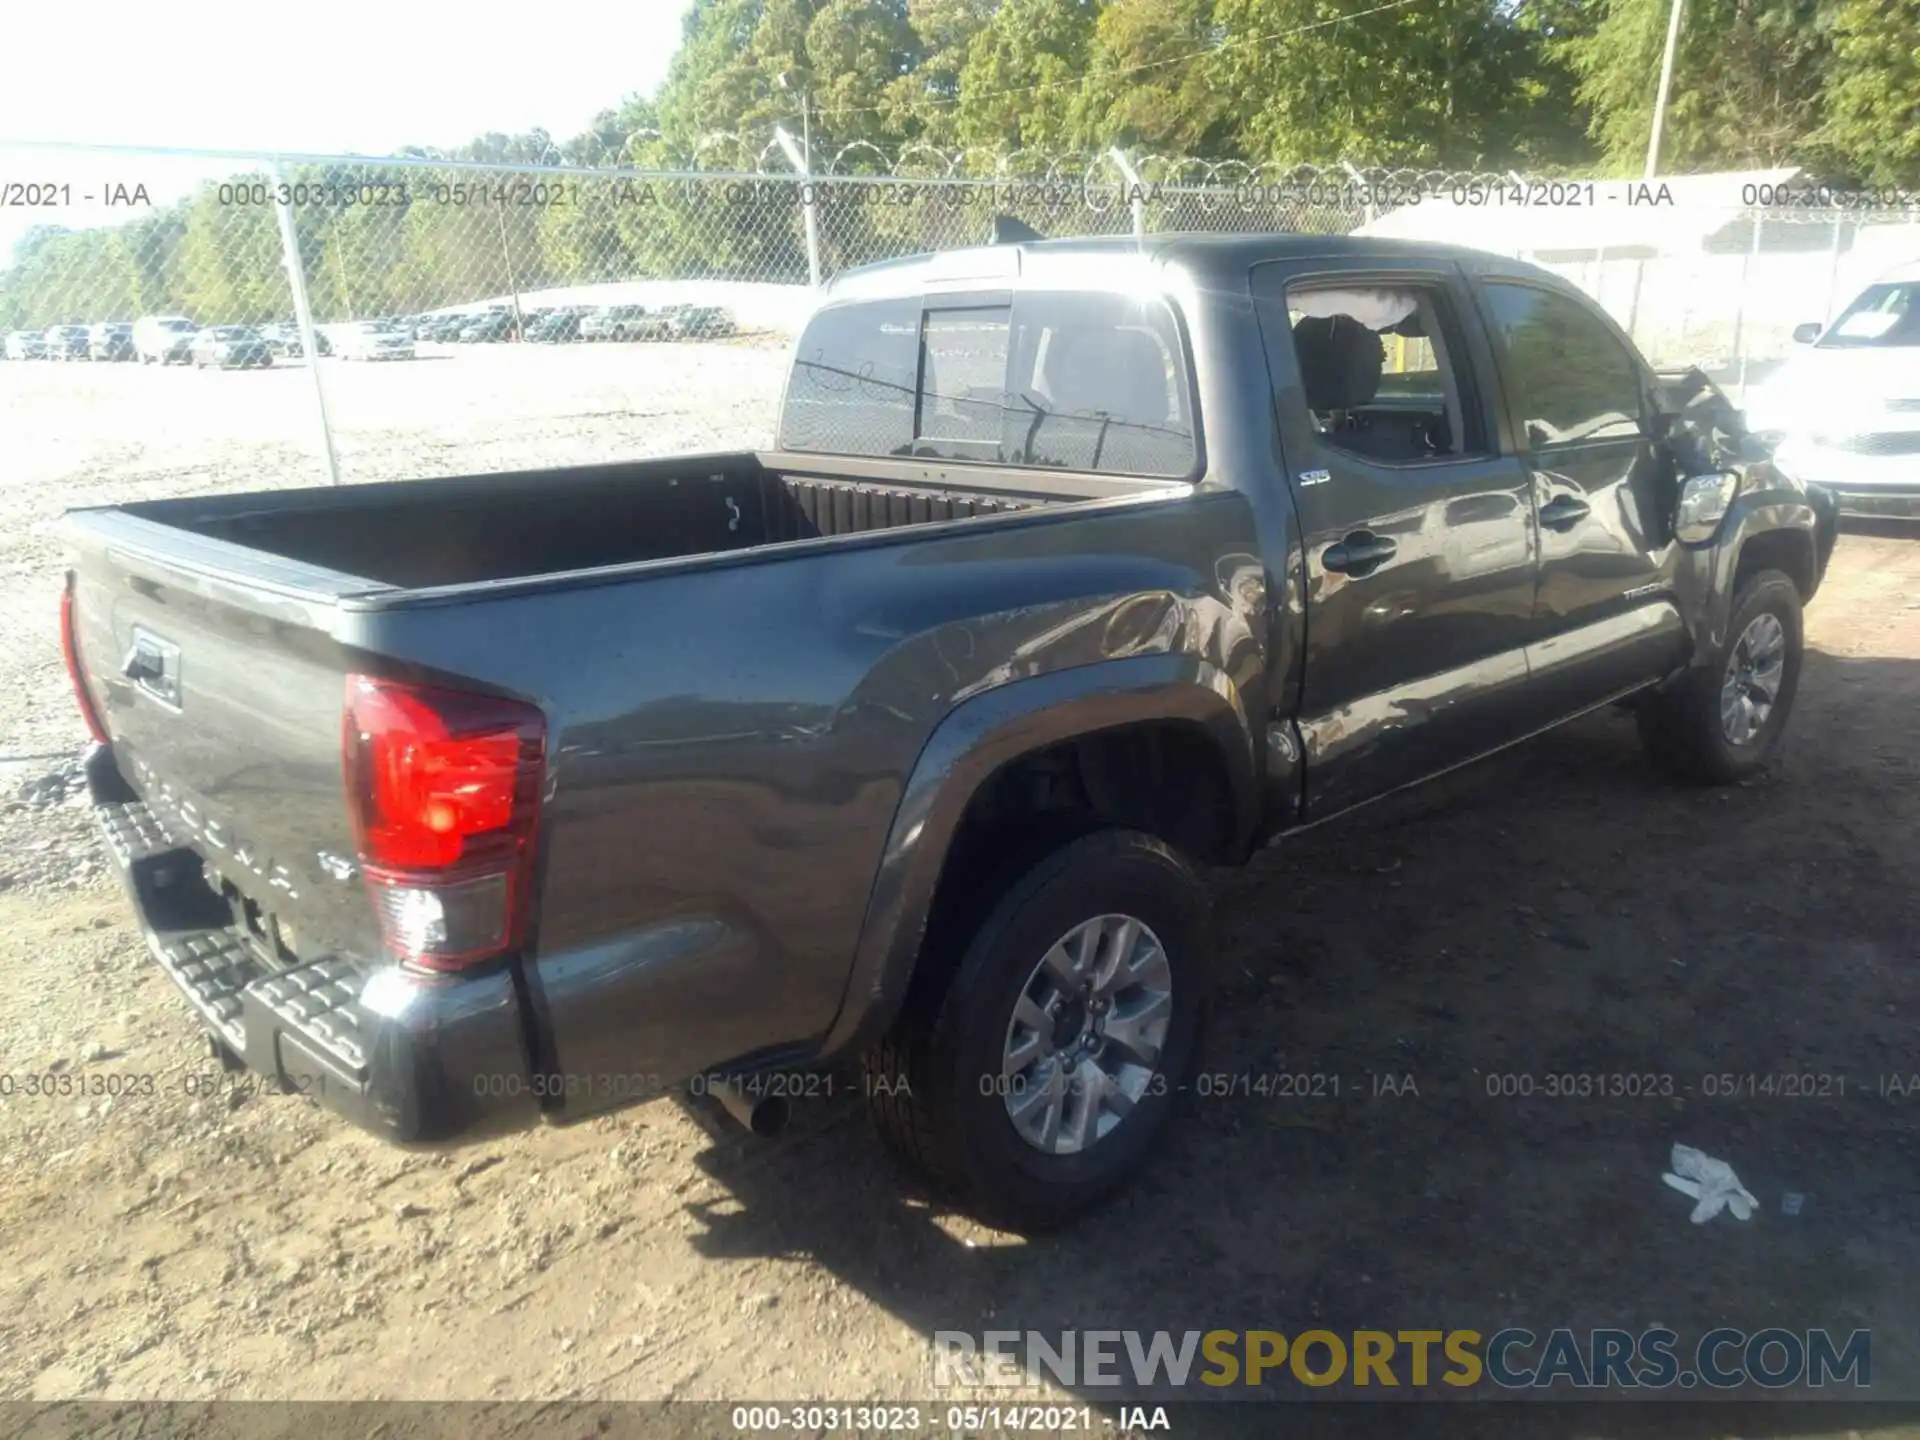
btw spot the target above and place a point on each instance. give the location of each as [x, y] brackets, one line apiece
[1067, 379]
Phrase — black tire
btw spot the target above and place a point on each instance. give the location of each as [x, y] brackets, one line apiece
[931, 1082]
[1681, 727]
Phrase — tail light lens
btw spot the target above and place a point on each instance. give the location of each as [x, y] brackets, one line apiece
[70, 649]
[444, 788]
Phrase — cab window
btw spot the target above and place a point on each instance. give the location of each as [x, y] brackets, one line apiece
[1380, 370]
[1073, 380]
[1567, 374]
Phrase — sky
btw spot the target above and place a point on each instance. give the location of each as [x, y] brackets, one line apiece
[358, 76]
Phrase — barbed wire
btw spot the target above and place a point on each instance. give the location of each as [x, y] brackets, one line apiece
[1209, 183]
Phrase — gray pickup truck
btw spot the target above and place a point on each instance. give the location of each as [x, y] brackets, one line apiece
[472, 803]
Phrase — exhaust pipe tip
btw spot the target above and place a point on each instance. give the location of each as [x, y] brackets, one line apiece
[763, 1115]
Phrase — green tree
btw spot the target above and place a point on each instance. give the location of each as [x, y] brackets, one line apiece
[723, 76]
[856, 50]
[1150, 83]
[1873, 90]
[924, 104]
[1021, 70]
[1452, 83]
[229, 261]
[1747, 82]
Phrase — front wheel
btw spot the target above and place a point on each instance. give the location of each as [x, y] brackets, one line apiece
[1037, 1081]
[1724, 721]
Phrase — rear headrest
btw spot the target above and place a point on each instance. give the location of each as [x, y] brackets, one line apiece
[1119, 371]
[1340, 361]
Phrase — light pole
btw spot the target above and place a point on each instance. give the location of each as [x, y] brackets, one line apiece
[1666, 84]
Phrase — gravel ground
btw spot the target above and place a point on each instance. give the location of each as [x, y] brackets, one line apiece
[167, 1232]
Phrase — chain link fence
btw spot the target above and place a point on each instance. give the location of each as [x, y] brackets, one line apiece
[566, 308]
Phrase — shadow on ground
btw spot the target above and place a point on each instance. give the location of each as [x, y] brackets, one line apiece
[1560, 911]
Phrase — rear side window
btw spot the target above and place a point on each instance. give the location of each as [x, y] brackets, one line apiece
[1065, 380]
[1566, 372]
[852, 389]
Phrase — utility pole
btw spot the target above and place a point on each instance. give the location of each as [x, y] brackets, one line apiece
[1666, 84]
[800, 157]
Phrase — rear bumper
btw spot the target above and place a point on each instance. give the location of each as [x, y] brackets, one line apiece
[416, 1059]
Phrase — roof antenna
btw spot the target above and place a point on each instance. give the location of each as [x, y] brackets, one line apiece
[1006, 230]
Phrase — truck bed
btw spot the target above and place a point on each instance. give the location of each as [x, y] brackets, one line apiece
[496, 527]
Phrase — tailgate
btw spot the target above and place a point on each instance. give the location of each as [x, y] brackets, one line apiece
[222, 695]
[220, 678]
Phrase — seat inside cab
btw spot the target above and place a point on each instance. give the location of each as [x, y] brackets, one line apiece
[1374, 368]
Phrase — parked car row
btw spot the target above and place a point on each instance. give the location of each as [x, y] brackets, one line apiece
[164, 340]
[170, 339]
[109, 340]
[560, 324]
[283, 338]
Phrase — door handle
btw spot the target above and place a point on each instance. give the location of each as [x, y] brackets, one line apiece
[1360, 553]
[1564, 513]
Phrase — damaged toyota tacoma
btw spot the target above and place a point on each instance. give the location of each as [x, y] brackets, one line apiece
[468, 804]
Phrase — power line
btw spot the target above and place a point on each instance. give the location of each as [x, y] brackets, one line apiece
[1146, 64]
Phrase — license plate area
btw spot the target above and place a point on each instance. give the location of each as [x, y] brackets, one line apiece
[270, 939]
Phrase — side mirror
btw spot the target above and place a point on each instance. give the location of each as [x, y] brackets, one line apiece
[1806, 334]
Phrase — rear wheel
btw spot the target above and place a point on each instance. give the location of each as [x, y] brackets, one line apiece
[1037, 1081]
[1724, 721]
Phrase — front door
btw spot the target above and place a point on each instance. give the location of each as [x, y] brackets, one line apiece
[1605, 619]
[1419, 534]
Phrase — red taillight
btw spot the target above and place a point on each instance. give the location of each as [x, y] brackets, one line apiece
[444, 787]
[70, 648]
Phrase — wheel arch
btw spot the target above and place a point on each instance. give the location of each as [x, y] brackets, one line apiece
[1771, 531]
[1178, 707]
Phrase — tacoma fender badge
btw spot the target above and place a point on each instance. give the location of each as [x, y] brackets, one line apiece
[1313, 477]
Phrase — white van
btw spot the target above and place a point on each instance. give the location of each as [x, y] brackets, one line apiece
[165, 338]
[1844, 410]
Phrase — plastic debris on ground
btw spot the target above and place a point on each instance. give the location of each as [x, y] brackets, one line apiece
[1711, 1182]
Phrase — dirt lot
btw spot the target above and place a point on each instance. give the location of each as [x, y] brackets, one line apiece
[1557, 911]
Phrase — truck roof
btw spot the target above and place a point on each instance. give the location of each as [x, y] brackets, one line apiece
[1205, 255]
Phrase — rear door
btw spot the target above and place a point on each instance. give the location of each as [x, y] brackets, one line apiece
[1605, 619]
[1419, 536]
